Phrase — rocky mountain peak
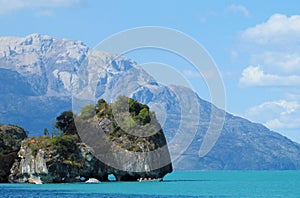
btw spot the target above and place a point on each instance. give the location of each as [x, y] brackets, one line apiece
[11, 46]
[48, 63]
[39, 74]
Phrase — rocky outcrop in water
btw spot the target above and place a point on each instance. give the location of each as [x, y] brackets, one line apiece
[57, 160]
[131, 139]
[10, 141]
[66, 158]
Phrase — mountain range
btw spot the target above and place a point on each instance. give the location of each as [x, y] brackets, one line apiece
[41, 76]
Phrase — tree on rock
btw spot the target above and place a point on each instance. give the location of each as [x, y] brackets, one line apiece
[46, 132]
[65, 123]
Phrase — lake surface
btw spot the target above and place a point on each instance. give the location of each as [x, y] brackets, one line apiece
[177, 184]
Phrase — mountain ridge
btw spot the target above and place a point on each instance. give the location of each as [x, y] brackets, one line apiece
[52, 69]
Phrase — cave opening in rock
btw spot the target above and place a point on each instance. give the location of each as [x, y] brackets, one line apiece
[112, 177]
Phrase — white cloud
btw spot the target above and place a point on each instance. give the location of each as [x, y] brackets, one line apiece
[279, 29]
[7, 6]
[275, 46]
[255, 76]
[238, 8]
[280, 62]
[277, 115]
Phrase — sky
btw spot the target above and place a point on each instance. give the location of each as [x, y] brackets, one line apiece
[255, 44]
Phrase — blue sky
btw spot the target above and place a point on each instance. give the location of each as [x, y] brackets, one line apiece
[255, 44]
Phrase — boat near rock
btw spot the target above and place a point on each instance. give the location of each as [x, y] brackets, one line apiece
[150, 180]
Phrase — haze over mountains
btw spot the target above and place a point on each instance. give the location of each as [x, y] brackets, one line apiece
[38, 75]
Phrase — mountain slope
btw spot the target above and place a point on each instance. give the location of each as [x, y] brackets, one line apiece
[41, 73]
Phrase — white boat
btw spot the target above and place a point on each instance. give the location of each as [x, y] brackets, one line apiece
[150, 179]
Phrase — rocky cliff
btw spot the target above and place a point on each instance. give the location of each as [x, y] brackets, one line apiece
[56, 160]
[10, 142]
[127, 136]
[66, 158]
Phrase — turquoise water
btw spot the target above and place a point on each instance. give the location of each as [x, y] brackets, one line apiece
[177, 184]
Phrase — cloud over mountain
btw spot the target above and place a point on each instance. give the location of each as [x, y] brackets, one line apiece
[255, 76]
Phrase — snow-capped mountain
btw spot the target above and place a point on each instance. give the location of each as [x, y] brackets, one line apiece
[39, 74]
